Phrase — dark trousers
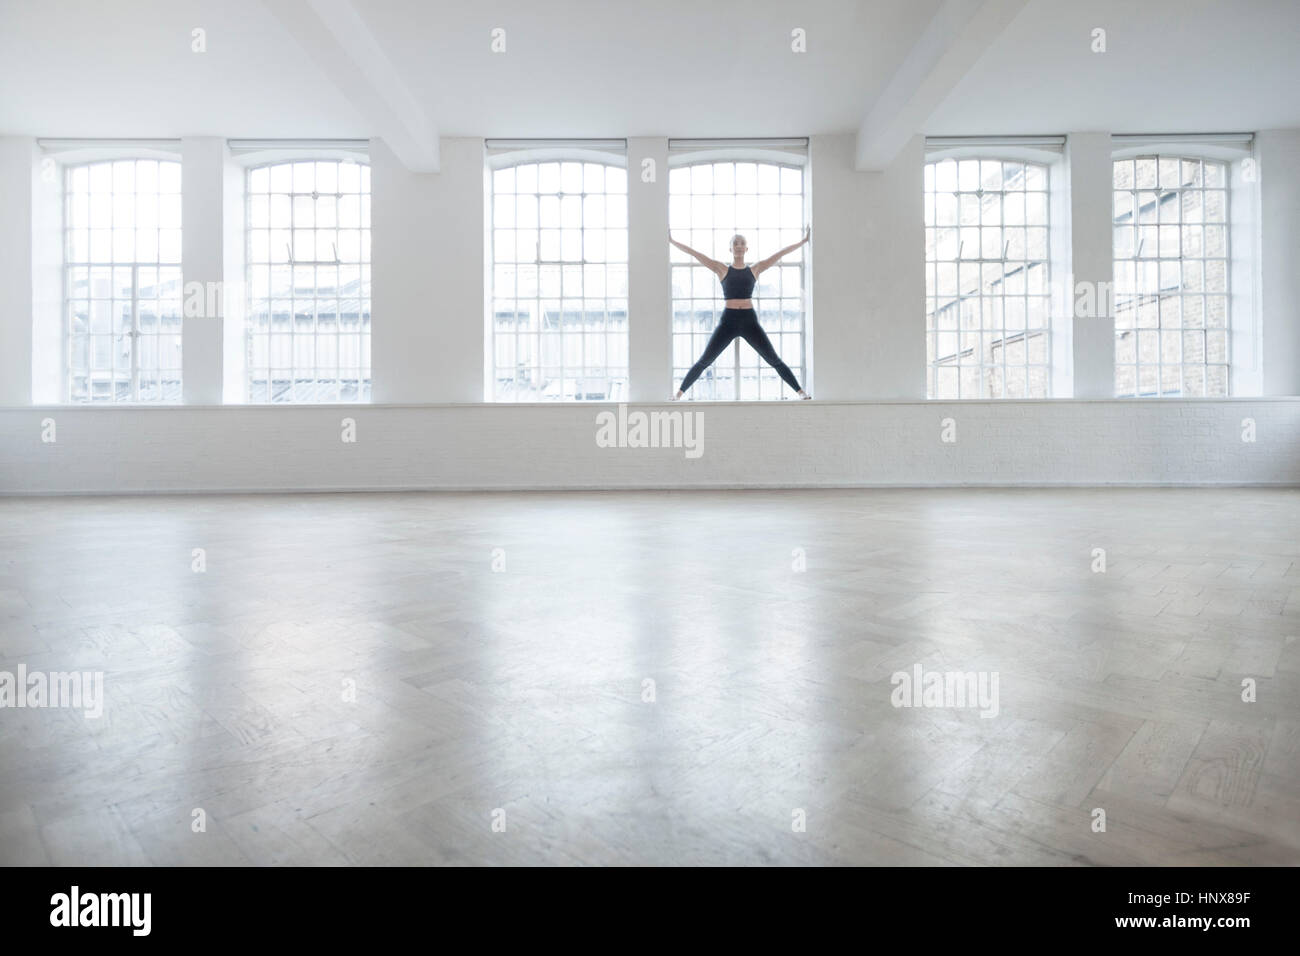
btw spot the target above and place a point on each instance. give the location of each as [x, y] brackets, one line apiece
[742, 323]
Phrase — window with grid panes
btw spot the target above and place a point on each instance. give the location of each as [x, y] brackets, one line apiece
[987, 315]
[122, 281]
[1171, 276]
[708, 203]
[559, 321]
[308, 265]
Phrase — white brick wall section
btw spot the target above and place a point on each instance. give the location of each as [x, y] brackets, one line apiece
[786, 445]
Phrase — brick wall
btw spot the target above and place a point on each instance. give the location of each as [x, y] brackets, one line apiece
[817, 444]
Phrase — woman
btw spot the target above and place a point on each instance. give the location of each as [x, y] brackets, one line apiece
[739, 317]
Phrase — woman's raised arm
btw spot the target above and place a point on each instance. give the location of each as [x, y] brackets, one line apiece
[713, 265]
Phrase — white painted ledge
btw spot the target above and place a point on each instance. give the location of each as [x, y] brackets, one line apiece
[268, 448]
[928, 403]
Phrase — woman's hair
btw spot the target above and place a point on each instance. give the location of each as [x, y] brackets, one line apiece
[734, 238]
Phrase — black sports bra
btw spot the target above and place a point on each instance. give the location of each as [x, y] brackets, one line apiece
[738, 283]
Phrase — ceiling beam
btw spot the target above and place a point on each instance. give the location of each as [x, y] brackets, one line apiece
[333, 34]
[956, 37]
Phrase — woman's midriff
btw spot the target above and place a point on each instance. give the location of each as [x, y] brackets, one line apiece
[740, 303]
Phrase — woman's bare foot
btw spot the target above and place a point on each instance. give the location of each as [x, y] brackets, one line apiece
[803, 394]
[678, 395]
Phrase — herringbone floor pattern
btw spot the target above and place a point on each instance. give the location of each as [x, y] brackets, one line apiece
[623, 678]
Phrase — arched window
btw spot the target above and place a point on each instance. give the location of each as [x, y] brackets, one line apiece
[1171, 276]
[122, 282]
[987, 284]
[308, 264]
[559, 324]
[708, 203]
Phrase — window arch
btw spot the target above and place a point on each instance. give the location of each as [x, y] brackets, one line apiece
[987, 315]
[559, 316]
[1171, 276]
[708, 203]
[122, 281]
[308, 276]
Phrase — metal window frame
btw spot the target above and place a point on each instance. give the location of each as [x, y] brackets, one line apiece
[1004, 336]
[1162, 193]
[536, 301]
[718, 300]
[112, 263]
[364, 370]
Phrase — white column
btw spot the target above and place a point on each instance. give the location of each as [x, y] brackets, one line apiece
[427, 277]
[649, 275]
[1090, 184]
[838, 283]
[203, 203]
[1278, 154]
[234, 371]
[19, 178]
[867, 274]
[48, 324]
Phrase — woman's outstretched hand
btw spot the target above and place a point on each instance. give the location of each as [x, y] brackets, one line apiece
[807, 234]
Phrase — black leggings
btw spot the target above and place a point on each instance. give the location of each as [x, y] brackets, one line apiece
[741, 323]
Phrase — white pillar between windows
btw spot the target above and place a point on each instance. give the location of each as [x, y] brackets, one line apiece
[48, 324]
[19, 178]
[203, 188]
[1278, 174]
[427, 268]
[233, 329]
[839, 269]
[649, 276]
[867, 273]
[1090, 184]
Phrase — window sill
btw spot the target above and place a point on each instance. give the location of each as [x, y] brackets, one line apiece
[357, 406]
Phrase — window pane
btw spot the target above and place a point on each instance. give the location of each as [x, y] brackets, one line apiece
[1163, 271]
[308, 305]
[709, 203]
[124, 216]
[992, 217]
[555, 268]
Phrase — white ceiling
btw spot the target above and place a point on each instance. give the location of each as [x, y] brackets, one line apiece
[658, 67]
[628, 67]
[1170, 66]
[124, 68]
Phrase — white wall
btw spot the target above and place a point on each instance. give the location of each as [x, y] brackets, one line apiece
[804, 444]
[19, 181]
[234, 360]
[427, 276]
[1088, 157]
[868, 271]
[867, 285]
[1278, 152]
[48, 356]
[203, 250]
[649, 274]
